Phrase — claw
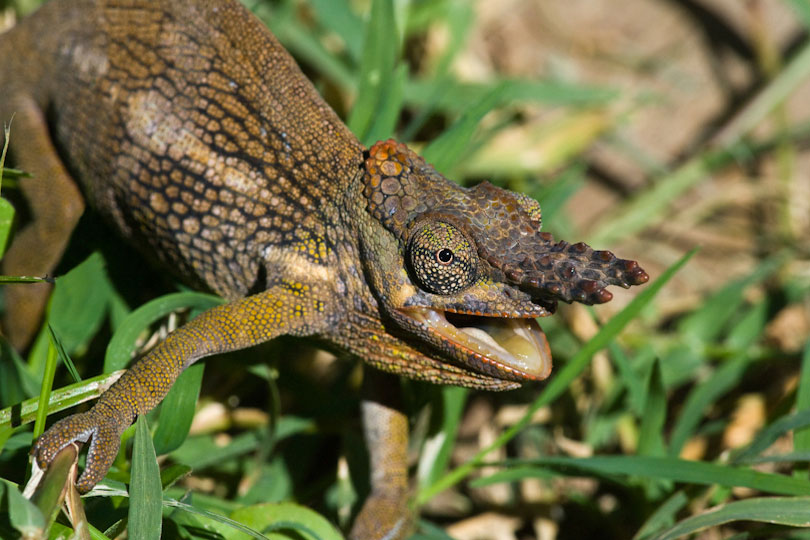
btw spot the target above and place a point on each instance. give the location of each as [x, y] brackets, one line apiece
[104, 436]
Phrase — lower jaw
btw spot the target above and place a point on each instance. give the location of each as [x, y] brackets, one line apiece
[514, 348]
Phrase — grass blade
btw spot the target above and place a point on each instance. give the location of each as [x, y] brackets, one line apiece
[6, 219]
[24, 279]
[794, 512]
[651, 441]
[80, 302]
[177, 410]
[675, 469]
[52, 488]
[270, 517]
[459, 18]
[801, 439]
[6, 138]
[429, 531]
[206, 453]
[749, 328]
[63, 355]
[64, 398]
[218, 518]
[554, 194]
[773, 431]
[706, 323]
[145, 492]
[664, 515]
[448, 149]
[703, 395]
[6, 209]
[629, 378]
[436, 452]
[380, 51]
[337, 16]
[388, 108]
[452, 96]
[16, 383]
[23, 514]
[45, 392]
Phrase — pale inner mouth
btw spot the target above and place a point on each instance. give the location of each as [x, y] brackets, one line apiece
[517, 344]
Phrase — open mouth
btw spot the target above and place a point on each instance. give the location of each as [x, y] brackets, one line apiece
[513, 345]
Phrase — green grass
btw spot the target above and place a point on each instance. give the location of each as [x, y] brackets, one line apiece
[274, 464]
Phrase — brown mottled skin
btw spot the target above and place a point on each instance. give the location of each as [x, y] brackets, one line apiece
[193, 131]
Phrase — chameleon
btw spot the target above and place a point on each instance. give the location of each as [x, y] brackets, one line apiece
[195, 134]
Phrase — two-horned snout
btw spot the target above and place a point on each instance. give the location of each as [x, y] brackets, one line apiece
[550, 271]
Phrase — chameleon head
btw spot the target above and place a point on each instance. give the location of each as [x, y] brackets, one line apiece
[468, 270]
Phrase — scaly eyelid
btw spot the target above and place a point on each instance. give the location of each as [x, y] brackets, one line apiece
[435, 273]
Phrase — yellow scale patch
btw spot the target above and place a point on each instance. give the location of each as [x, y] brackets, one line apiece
[295, 287]
[313, 246]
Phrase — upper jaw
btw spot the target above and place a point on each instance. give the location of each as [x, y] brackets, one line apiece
[509, 346]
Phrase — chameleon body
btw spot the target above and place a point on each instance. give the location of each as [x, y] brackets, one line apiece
[193, 131]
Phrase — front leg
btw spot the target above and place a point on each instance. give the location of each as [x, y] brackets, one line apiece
[385, 514]
[229, 327]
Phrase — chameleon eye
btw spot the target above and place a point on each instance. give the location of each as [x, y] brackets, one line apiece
[442, 259]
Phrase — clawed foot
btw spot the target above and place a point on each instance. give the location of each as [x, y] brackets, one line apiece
[103, 433]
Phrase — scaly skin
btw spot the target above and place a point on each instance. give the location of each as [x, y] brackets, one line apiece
[193, 131]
